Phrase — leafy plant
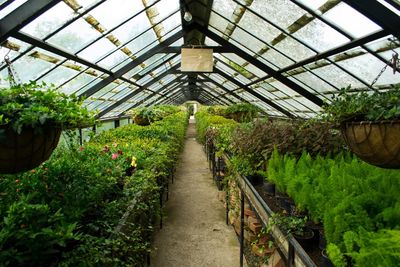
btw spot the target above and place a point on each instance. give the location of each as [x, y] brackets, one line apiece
[34, 105]
[289, 224]
[242, 112]
[358, 106]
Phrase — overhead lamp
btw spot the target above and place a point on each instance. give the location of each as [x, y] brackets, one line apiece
[187, 16]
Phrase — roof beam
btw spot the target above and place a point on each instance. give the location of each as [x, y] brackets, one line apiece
[223, 88]
[118, 74]
[23, 15]
[254, 93]
[294, 86]
[328, 53]
[216, 49]
[130, 95]
[378, 13]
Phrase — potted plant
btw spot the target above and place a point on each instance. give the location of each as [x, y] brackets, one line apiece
[31, 119]
[295, 226]
[369, 124]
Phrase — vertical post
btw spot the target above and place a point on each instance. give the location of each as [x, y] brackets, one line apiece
[116, 124]
[80, 137]
[94, 129]
[290, 260]
[241, 227]
[227, 206]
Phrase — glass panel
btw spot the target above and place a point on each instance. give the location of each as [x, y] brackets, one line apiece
[29, 68]
[320, 36]
[142, 42]
[336, 76]
[367, 67]
[351, 21]
[113, 12]
[256, 71]
[49, 21]
[75, 36]
[211, 42]
[73, 85]
[59, 75]
[314, 82]
[165, 8]
[132, 28]
[277, 58]
[11, 7]
[294, 49]
[263, 30]
[224, 7]
[313, 4]
[249, 41]
[113, 59]
[218, 22]
[281, 12]
[97, 50]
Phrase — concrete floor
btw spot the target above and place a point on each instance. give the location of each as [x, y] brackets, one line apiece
[194, 232]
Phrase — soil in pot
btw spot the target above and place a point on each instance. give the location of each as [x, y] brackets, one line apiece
[306, 240]
[286, 203]
[269, 188]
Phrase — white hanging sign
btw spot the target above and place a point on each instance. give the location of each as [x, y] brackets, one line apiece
[197, 60]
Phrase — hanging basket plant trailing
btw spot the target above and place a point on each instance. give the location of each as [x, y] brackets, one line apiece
[32, 117]
[242, 112]
[370, 124]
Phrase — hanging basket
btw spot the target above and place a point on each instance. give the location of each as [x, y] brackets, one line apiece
[377, 143]
[25, 151]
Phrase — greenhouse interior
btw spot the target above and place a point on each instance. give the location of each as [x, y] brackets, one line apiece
[200, 133]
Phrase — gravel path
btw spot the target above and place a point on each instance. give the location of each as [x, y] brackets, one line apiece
[194, 232]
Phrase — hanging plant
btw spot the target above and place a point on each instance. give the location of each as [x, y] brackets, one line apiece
[31, 119]
[370, 124]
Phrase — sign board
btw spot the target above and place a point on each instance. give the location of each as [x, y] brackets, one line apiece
[196, 60]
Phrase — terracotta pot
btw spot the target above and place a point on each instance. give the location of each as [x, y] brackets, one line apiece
[25, 151]
[377, 143]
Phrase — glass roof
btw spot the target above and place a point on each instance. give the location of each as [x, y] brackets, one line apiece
[287, 57]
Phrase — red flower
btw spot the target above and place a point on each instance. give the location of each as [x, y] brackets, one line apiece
[120, 152]
[81, 148]
[106, 149]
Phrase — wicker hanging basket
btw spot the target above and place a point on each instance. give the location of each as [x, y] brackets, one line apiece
[25, 151]
[377, 143]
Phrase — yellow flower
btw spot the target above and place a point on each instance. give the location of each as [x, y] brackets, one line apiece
[133, 162]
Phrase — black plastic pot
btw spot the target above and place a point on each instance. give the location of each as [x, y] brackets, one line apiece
[322, 240]
[285, 203]
[269, 188]
[307, 239]
[255, 179]
[327, 261]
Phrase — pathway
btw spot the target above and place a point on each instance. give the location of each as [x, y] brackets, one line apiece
[194, 233]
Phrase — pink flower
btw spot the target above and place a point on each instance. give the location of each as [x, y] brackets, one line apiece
[114, 156]
[106, 149]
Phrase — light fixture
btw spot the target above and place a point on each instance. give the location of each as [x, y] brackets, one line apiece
[187, 16]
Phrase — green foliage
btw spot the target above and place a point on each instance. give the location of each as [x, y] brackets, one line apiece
[242, 112]
[289, 224]
[33, 105]
[360, 106]
[207, 126]
[66, 211]
[147, 115]
[351, 198]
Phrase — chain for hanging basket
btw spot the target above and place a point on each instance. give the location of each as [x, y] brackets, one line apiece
[394, 63]
[28, 149]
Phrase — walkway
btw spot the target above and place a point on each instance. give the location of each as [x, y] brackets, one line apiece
[194, 232]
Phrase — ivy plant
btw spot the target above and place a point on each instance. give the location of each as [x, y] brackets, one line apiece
[35, 105]
[362, 105]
